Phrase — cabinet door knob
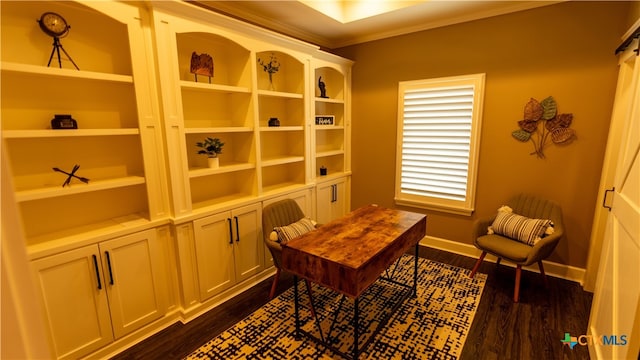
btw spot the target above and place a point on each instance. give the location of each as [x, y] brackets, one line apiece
[95, 265]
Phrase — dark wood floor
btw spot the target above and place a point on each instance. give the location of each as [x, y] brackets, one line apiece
[530, 329]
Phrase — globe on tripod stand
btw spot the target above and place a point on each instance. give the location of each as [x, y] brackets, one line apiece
[56, 26]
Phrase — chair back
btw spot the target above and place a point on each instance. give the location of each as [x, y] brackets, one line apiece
[279, 213]
[535, 207]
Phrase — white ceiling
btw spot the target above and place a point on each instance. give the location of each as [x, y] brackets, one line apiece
[301, 20]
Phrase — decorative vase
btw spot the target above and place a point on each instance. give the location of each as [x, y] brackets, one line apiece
[213, 162]
[274, 122]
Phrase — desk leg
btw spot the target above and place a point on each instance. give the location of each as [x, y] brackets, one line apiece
[296, 306]
[415, 272]
[356, 333]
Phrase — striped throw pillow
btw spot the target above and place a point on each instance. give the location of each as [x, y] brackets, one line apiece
[521, 228]
[291, 231]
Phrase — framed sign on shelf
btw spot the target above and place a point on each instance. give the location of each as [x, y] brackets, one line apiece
[325, 120]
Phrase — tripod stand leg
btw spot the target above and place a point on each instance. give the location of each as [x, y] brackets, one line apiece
[53, 50]
[56, 49]
[59, 60]
[68, 56]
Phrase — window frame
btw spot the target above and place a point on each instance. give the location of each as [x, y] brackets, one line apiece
[466, 207]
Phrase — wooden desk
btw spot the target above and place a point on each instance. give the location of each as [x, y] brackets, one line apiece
[350, 253]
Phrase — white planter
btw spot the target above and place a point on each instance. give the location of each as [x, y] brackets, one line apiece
[213, 162]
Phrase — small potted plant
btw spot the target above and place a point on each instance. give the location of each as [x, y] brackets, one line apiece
[211, 147]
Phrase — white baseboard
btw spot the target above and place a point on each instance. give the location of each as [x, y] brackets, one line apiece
[562, 271]
[215, 301]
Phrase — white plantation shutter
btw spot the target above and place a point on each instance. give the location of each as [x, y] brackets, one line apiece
[438, 131]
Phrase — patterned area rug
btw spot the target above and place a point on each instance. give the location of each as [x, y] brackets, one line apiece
[433, 325]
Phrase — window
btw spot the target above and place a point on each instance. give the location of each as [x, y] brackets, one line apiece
[438, 140]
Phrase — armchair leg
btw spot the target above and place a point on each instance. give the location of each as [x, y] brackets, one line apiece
[274, 284]
[544, 276]
[477, 265]
[516, 291]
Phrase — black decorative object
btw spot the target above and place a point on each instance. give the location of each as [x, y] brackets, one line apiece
[63, 122]
[201, 65]
[274, 122]
[323, 88]
[56, 26]
[323, 171]
[71, 175]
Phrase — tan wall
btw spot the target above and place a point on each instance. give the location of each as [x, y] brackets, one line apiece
[564, 50]
[634, 13]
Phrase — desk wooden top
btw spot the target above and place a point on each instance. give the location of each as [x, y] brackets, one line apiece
[349, 253]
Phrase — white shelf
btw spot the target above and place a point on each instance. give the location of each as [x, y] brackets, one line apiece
[280, 188]
[328, 100]
[281, 128]
[329, 153]
[280, 94]
[329, 127]
[331, 176]
[282, 160]
[55, 242]
[192, 85]
[49, 133]
[227, 200]
[77, 188]
[66, 73]
[193, 173]
[228, 129]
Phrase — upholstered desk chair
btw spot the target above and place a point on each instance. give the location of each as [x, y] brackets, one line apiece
[281, 213]
[516, 251]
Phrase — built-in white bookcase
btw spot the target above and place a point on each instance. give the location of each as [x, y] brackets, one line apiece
[283, 147]
[330, 141]
[118, 143]
[153, 208]
[234, 105]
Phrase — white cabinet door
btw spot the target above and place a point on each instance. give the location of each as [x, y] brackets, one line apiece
[131, 266]
[73, 292]
[214, 253]
[229, 248]
[331, 200]
[248, 245]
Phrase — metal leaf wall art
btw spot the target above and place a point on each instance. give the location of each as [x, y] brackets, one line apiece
[542, 123]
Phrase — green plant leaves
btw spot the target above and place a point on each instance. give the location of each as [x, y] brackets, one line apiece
[549, 108]
[521, 135]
